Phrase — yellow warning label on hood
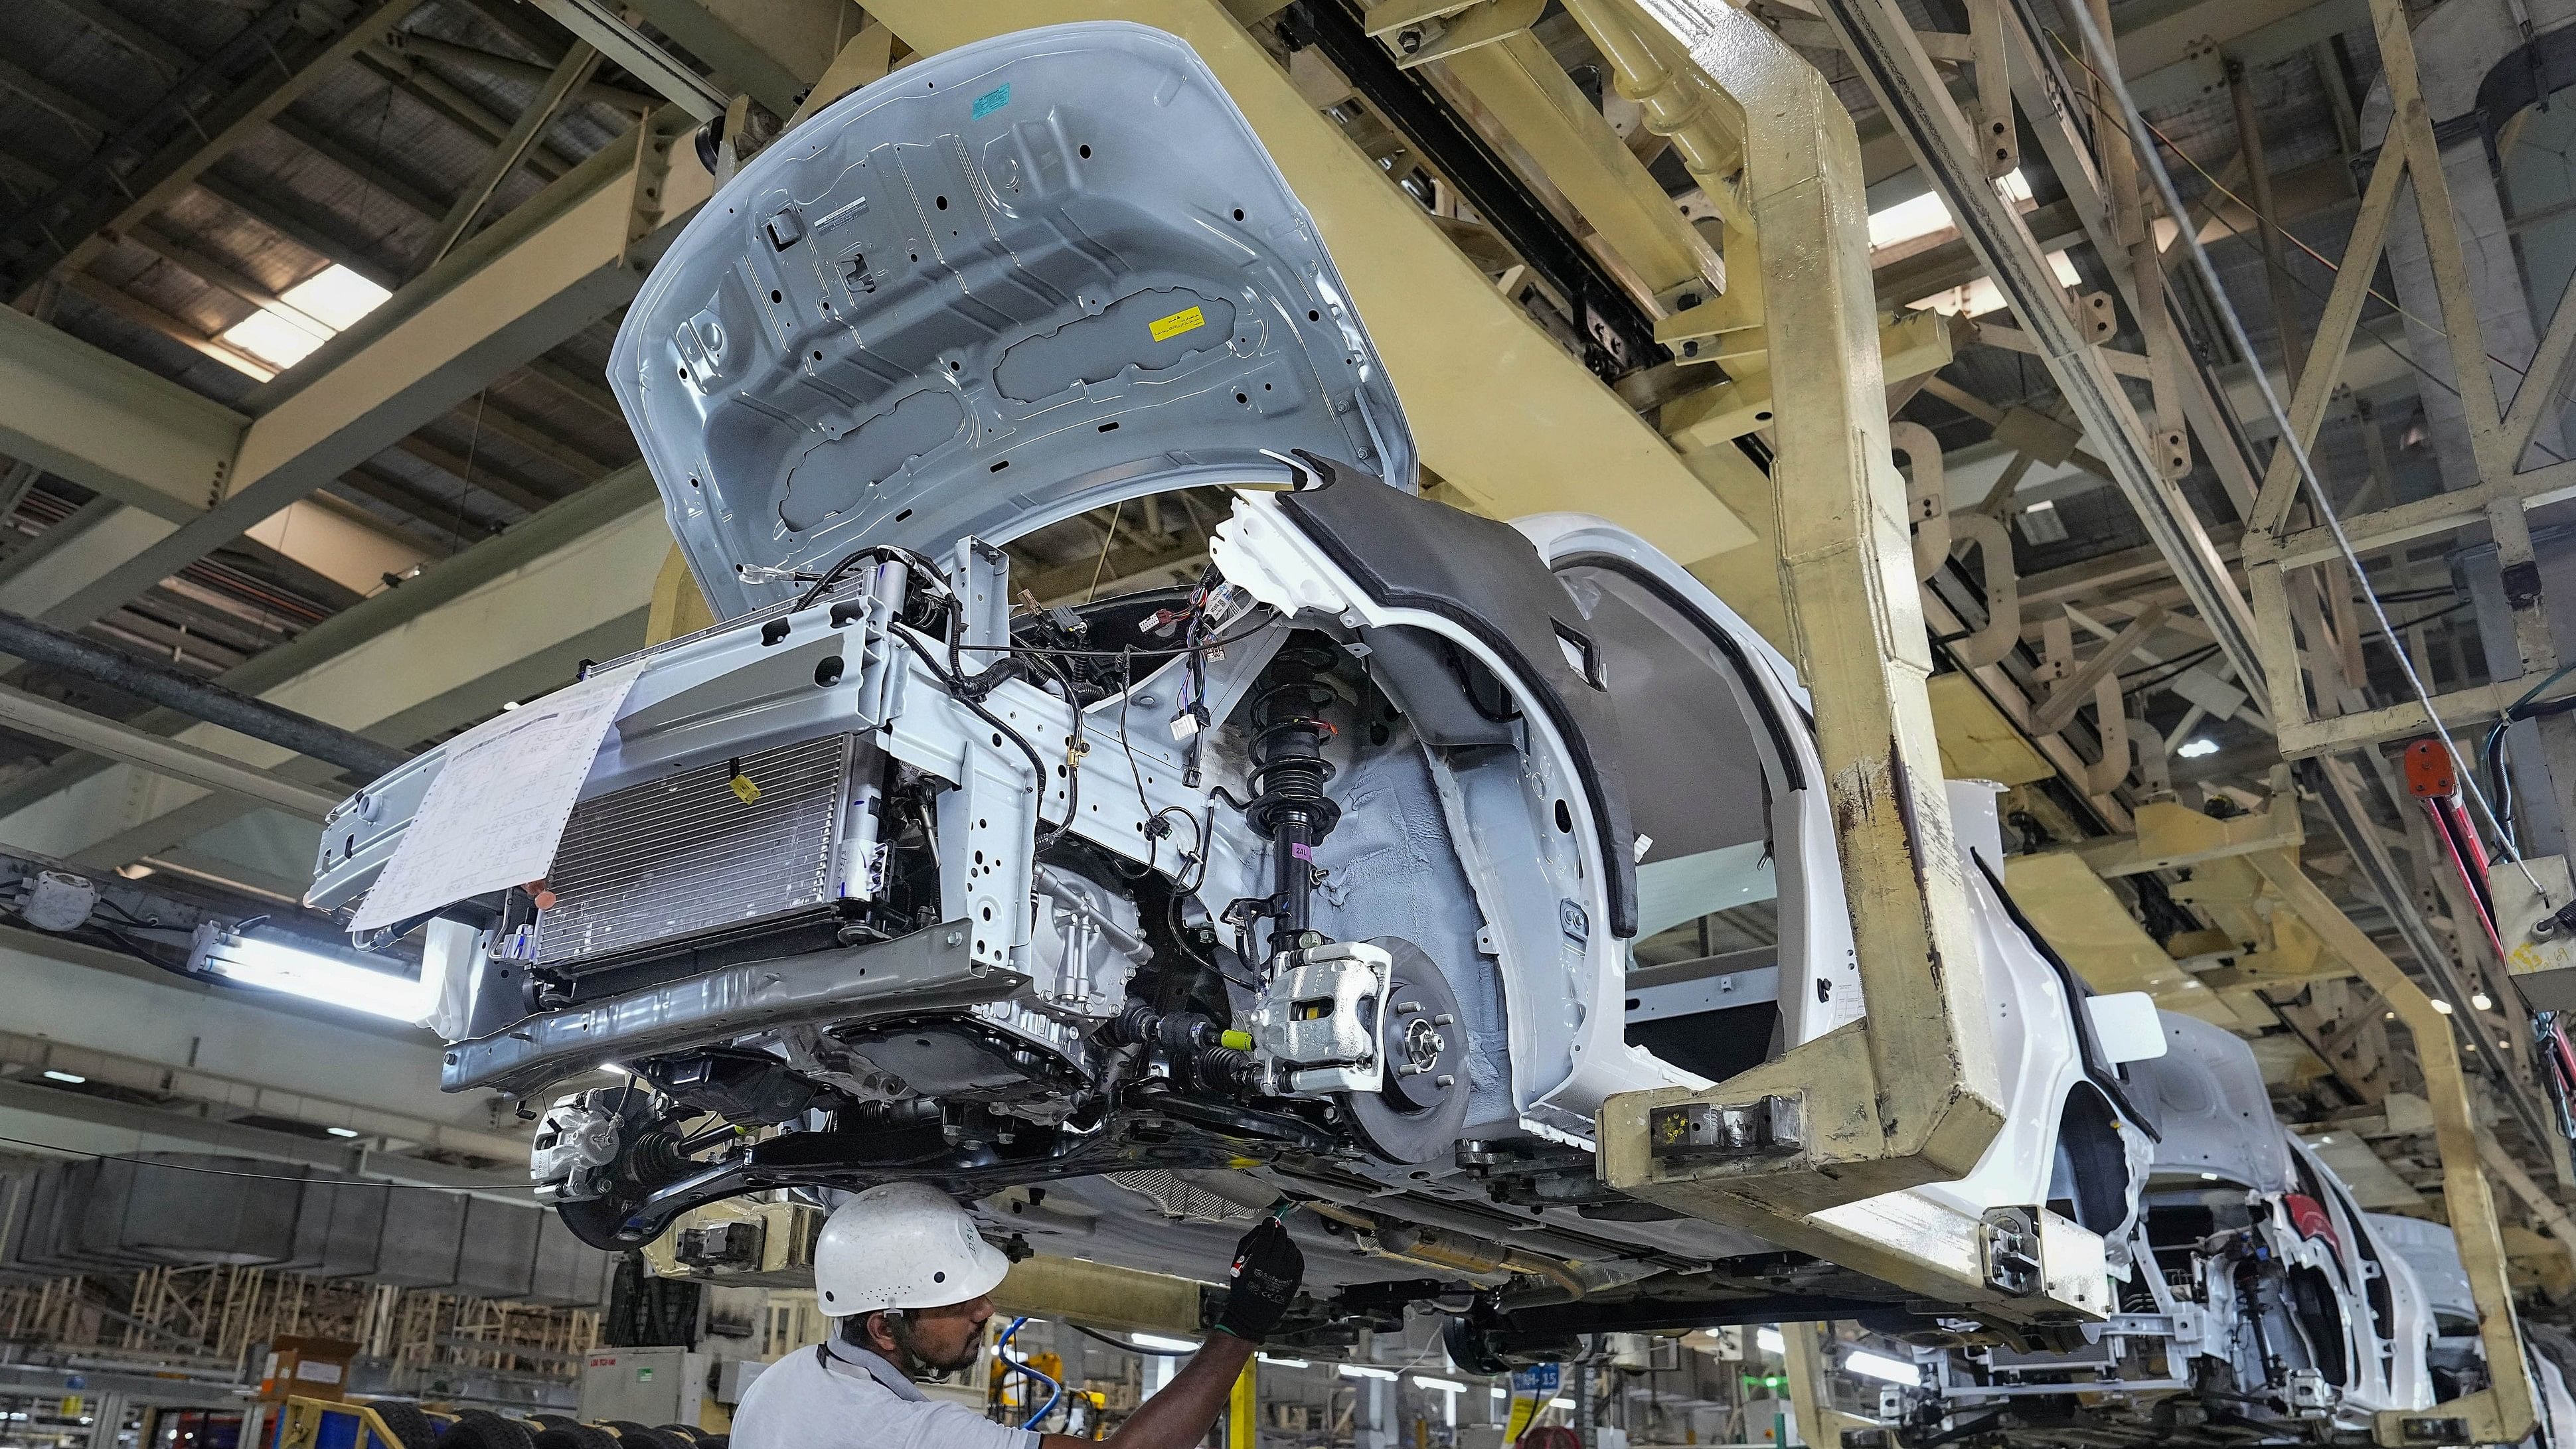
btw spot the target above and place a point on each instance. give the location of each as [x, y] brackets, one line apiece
[1188, 319]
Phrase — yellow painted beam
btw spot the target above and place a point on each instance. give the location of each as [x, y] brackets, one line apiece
[1501, 411]
[678, 607]
[1582, 157]
[159, 449]
[2171, 835]
[1908, 346]
[1243, 1407]
[1098, 1295]
[2075, 912]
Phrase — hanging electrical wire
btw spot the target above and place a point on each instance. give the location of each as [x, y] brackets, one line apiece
[2142, 137]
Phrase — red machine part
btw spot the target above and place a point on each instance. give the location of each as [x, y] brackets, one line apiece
[2429, 771]
[2432, 777]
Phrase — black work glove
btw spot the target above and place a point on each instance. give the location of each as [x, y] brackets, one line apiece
[1267, 1270]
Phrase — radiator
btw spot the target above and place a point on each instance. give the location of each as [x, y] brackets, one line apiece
[686, 855]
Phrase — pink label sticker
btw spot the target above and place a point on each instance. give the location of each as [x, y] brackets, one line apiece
[1305, 853]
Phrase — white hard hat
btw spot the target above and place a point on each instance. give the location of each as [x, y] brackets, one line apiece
[902, 1245]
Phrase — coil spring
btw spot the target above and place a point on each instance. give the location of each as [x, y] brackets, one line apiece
[1289, 770]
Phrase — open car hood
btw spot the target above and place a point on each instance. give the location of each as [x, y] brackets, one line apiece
[1006, 284]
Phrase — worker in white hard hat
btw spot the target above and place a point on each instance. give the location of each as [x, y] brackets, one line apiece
[905, 1275]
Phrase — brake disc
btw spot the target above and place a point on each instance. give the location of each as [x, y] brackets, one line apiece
[1417, 1114]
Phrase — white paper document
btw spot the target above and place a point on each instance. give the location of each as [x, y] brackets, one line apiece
[496, 812]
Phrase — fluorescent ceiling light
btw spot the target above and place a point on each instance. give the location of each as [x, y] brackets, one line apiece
[1769, 1341]
[1879, 1366]
[1169, 1345]
[2481, 1001]
[1498, 1393]
[2209, 1177]
[340, 1131]
[1284, 1362]
[1363, 1371]
[306, 315]
[1560, 1403]
[54, 1076]
[2441, 1006]
[315, 971]
[2194, 749]
[1445, 1386]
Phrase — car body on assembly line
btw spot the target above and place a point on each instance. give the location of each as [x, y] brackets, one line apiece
[1361, 871]
[2267, 1306]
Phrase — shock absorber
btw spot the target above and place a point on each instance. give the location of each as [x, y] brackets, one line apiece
[1289, 772]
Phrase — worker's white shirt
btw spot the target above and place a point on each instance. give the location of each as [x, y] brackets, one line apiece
[838, 1396]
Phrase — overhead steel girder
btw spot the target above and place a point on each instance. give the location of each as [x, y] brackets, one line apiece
[529, 281]
[602, 27]
[78, 228]
[97, 420]
[2181, 56]
[1547, 115]
[498, 635]
[1502, 413]
[770, 49]
[160, 1129]
[1614, 327]
[557, 263]
[1876, 34]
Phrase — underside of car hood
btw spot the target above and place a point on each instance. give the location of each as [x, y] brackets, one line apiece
[1006, 284]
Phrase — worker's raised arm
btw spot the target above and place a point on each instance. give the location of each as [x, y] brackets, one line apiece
[1267, 1269]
